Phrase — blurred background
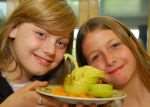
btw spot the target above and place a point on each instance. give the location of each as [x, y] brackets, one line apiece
[134, 13]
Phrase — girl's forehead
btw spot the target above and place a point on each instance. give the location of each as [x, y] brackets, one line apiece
[101, 34]
[100, 38]
[56, 32]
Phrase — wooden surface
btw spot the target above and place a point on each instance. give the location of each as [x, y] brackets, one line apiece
[87, 9]
[11, 5]
[148, 36]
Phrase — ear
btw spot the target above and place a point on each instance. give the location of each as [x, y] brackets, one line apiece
[13, 33]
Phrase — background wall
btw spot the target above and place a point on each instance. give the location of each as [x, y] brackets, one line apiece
[134, 13]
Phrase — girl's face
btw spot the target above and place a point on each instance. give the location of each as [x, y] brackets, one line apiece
[37, 50]
[105, 51]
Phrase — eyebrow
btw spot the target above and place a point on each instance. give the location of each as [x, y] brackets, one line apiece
[111, 40]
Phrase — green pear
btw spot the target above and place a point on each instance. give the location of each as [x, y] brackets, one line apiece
[101, 90]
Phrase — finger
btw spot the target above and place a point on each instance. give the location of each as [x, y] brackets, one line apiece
[65, 105]
[51, 102]
[79, 105]
[34, 85]
[93, 105]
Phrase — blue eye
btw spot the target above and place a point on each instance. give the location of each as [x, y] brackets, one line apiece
[61, 44]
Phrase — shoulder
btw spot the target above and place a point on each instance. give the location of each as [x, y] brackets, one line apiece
[5, 88]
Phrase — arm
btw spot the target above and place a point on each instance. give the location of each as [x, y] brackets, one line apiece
[28, 97]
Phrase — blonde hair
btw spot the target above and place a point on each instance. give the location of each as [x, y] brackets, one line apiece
[125, 35]
[55, 16]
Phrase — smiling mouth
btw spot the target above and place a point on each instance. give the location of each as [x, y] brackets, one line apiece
[115, 70]
[42, 61]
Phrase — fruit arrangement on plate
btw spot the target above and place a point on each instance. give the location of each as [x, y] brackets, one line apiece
[86, 81]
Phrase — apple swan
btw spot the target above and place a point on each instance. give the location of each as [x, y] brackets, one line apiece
[83, 81]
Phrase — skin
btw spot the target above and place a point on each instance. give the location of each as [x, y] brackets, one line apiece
[38, 57]
[105, 51]
[27, 94]
[44, 53]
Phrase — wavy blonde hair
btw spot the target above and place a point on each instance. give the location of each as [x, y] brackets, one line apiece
[125, 35]
[55, 16]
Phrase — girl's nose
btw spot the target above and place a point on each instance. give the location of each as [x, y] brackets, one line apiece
[49, 47]
[109, 59]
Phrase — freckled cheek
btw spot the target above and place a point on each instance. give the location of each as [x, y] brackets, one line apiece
[60, 54]
[34, 45]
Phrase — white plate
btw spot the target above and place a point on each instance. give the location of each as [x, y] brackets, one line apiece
[118, 95]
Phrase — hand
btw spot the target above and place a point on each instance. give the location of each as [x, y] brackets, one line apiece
[28, 97]
[81, 105]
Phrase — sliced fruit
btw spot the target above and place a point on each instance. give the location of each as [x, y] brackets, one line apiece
[101, 90]
[83, 80]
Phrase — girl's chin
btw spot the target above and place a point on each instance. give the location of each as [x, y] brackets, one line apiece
[120, 84]
[40, 73]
